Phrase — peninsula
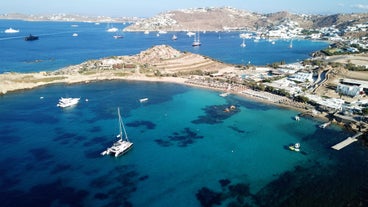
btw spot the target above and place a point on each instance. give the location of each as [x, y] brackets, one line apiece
[163, 63]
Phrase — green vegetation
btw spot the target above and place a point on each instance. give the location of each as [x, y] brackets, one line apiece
[301, 99]
[120, 74]
[365, 111]
[353, 67]
[32, 79]
[319, 63]
[277, 64]
[280, 92]
[309, 32]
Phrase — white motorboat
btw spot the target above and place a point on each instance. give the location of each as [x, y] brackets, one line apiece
[11, 30]
[190, 34]
[297, 118]
[121, 146]
[75, 35]
[143, 100]
[324, 125]
[118, 36]
[295, 147]
[224, 94]
[67, 102]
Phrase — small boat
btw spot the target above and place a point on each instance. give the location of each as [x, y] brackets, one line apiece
[75, 35]
[297, 118]
[143, 100]
[174, 37]
[324, 125]
[67, 102]
[11, 30]
[31, 38]
[118, 36]
[196, 41]
[110, 28]
[121, 146]
[190, 34]
[224, 94]
[243, 43]
[295, 147]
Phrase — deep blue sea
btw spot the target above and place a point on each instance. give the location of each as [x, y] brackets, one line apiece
[187, 150]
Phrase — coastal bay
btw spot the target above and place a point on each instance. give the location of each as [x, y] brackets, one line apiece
[162, 59]
[186, 144]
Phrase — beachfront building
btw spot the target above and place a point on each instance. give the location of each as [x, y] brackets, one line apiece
[363, 85]
[349, 90]
[290, 86]
[302, 77]
[332, 104]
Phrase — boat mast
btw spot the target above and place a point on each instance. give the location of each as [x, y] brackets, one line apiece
[121, 127]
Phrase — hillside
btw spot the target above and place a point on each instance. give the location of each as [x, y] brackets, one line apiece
[225, 18]
[158, 63]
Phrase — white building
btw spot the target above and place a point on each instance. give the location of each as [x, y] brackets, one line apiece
[302, 77]
[349, 90]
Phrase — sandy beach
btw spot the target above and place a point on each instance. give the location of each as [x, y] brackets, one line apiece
[12, 82]
[173, 62]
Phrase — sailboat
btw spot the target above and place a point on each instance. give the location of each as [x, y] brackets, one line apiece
[121, 146]
[243, 44]
[118, 36]
[111, 28]
[196, 41]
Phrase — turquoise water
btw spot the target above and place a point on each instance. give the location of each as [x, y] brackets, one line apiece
[51, 156]
[187, 150]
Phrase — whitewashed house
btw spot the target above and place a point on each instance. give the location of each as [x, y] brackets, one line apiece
[349, 90]
[302, 77]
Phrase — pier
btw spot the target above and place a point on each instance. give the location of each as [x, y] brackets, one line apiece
[346, 142]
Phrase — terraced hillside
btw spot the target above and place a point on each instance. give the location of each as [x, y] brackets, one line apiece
[168, 60]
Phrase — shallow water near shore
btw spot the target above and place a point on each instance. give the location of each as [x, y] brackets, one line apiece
[183, 142]
[187, 150]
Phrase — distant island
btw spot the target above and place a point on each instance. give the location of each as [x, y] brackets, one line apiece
[231, 19]
[67, 18]
[273, 25]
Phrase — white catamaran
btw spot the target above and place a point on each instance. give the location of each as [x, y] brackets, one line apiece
[121, 146]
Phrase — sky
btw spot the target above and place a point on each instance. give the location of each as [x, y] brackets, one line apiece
[149, 8]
